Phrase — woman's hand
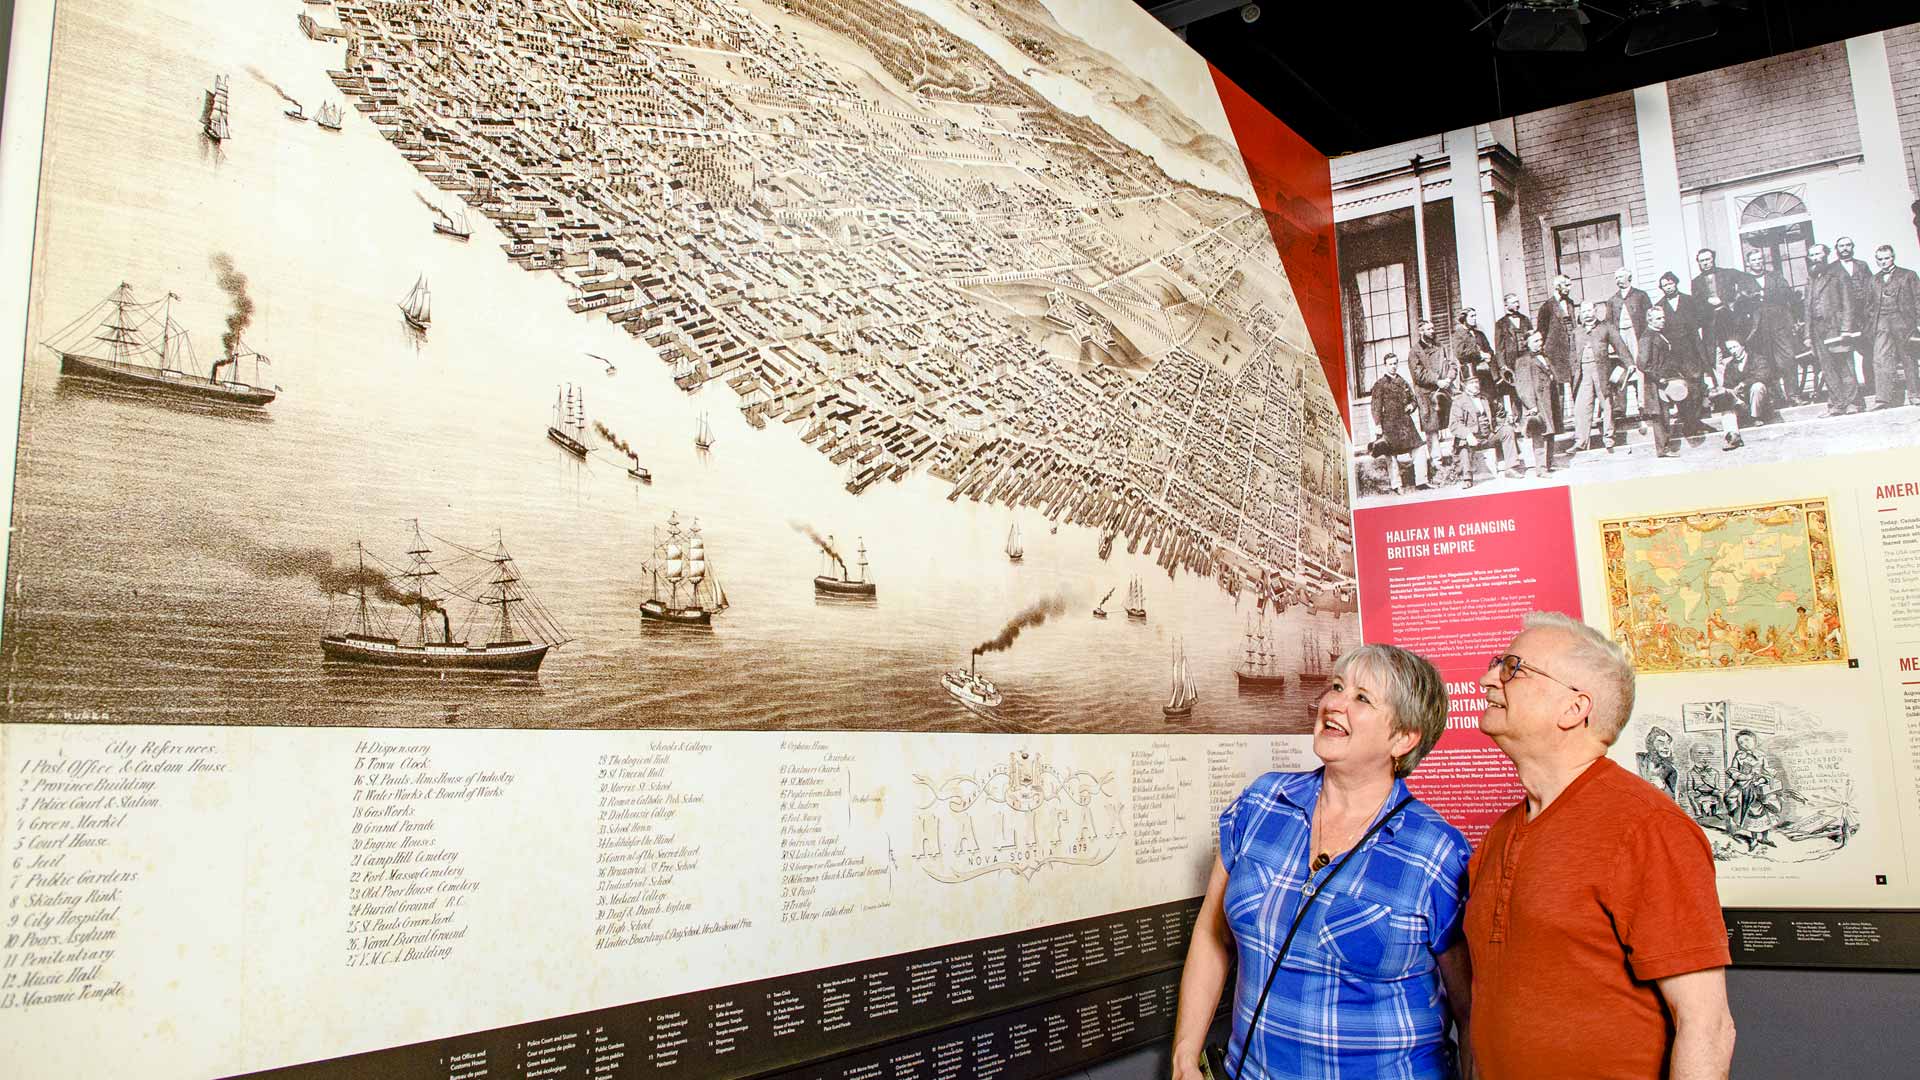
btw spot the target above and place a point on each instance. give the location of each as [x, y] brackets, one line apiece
[1186, 1064]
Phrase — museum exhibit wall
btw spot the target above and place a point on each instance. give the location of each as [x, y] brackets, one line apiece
[602, 538]
[1763, 584]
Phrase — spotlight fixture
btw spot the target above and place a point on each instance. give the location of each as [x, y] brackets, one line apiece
[1543, 26]
[1663, 24]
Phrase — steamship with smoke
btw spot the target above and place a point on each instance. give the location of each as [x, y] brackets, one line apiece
[139, 346]
[520, 631]
[971, 687]
[843, 584]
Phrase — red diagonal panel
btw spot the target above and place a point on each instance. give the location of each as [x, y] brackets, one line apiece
[1295, 188]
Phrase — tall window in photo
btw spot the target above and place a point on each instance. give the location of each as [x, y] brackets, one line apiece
[1778, 225]
[1589, 252]
[1384, 327]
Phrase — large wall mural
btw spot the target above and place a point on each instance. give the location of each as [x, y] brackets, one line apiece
[853, 268]
[592, 536]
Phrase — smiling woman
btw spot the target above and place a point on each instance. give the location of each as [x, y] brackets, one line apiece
[1338, 886]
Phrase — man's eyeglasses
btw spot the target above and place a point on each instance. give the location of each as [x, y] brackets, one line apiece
[1510, 665]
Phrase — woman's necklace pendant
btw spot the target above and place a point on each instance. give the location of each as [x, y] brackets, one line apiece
[1319, 863]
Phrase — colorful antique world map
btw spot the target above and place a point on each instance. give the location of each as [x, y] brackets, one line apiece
[1746, 587]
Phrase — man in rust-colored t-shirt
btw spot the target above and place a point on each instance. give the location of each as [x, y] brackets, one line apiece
[1592, 921]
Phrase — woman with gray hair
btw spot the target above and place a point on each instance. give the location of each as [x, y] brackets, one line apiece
[1341, 894]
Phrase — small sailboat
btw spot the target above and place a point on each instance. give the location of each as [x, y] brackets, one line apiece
[298, 113]
[1259, 673]
[1100, 609]
[213, 116]
[454, 225]
[1136, 601]
[1181, 699]
[1015, 550]
[569, 430]
[703, 433]
[417, 308]
[844, 584]
[686, 374]
[329, 117]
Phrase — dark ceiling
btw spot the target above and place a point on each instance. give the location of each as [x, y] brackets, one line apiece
[1351, 76]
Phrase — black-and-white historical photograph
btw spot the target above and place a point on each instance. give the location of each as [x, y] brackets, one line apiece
[1712, 271]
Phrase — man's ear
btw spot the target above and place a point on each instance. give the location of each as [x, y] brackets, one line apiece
[1578, 713]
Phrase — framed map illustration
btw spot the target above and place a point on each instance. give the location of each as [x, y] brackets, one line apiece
[1744, 587]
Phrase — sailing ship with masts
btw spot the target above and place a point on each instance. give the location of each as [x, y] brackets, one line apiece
[1314, 668]
[682, 586]
[1136, 601]
[569, 427]
[139, 346]
[329, 116]
[1184, 695]
[417, 308]
[1260, 672]
[455, 225]
[420, 595]
[703, 433]
[1015, 549]
[213, 115]
[1100, 609]
[843, 584]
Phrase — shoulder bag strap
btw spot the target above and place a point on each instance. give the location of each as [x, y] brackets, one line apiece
[1308, 895]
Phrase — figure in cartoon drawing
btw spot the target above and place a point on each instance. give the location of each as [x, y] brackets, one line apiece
[1656, 764]
[1704, 802]
[1767, 782]
[1754, 793]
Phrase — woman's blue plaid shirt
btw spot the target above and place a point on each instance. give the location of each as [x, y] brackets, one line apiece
[1359, 994]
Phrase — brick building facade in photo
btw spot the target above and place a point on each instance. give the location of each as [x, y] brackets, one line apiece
[1773, 155]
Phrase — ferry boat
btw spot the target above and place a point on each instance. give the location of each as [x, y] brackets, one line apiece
[972, 688]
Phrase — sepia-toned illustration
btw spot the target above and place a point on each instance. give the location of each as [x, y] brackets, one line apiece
[1745, 587]
[1768, 782]
[1020, 817]
[863, 254]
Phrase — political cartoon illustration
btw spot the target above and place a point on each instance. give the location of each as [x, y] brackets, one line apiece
[1767, 782]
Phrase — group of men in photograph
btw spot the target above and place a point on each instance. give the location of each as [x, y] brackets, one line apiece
[1729, 352]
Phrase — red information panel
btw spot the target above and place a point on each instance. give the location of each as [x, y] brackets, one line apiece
[1451, 580]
